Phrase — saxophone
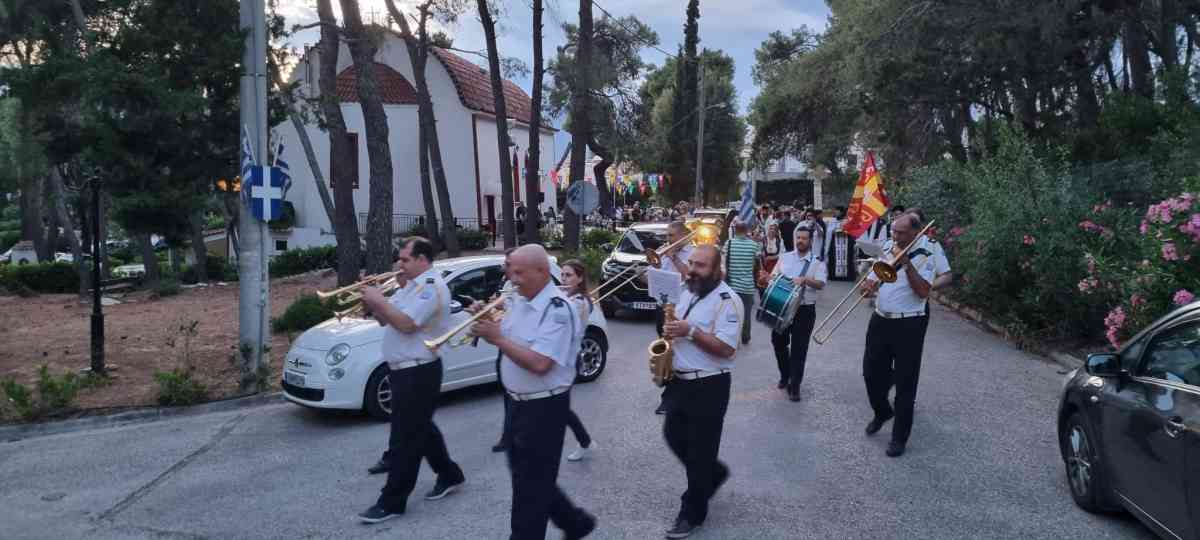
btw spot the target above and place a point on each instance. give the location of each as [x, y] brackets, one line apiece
[662, 365]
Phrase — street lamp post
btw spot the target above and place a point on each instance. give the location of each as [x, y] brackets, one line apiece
[700, 144]
[97, 312]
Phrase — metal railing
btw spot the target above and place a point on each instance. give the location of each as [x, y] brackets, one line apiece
[406, 224]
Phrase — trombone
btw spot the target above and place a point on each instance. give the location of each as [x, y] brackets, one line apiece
[494, 309]
[885, 270]
[704, 231]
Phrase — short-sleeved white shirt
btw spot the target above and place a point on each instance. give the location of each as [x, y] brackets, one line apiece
[548, 324]
[666, 264]
[941, 265]
[425, 300]
[718, 313]
[791, 264]
[898, 297]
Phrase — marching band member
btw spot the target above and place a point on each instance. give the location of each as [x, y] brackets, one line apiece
[808, 274]
[705, 342]
[384, 463]
[674, 261]
[896, 334]
[419, 311]
[502, 444]
[538, 343]
[574, 278]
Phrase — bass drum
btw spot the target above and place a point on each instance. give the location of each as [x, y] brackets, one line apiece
[780, 301]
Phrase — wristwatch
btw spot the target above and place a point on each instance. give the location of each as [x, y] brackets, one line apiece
[691, 335]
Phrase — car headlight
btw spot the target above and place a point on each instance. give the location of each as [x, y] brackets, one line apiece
[337, 354]
[609, 267]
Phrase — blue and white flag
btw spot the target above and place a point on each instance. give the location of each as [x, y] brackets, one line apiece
[746, 210]
[283, 168]
[247, 164]
[265, 191]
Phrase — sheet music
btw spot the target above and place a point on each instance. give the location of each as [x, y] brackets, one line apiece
[664, 282]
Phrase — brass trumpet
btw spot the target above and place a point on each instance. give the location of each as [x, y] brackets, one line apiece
[884, 269]
[351, 295]
[487, 311]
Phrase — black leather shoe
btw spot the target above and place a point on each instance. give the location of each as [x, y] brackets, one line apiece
[895, 449]
[662, 408]
[794, 395]
[877, 423]
[721, 476]
[443, 488]
[380, 466]
[377, 514]
[586, 530]
[782, 384]
[682, 529]
[499, 447]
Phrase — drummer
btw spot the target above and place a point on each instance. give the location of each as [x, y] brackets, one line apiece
[808, 275]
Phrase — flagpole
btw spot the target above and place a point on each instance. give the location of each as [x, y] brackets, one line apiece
[253, 285]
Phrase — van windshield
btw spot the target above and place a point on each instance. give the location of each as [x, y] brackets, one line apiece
[649, 240]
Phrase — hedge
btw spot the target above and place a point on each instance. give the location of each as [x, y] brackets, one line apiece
[299, 261]
[59, 277]
[304, 313]
[473, 240]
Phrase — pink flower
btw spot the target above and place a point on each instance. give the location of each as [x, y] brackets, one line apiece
[1113, 323]
[1183, 297]
[958, 231]
[1168, 252]
[1136, 300]
[1029, 240]
[1102, 207]
[1088, 284]
[1144, 228]
[1106, 234]
[1087, 225]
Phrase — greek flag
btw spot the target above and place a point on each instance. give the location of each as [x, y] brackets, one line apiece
[746, 210]
[283, 168]
[247, 155]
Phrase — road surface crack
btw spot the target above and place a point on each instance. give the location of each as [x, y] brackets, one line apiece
[141, 492]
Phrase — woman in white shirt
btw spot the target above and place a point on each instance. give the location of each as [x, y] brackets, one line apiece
[574, 278]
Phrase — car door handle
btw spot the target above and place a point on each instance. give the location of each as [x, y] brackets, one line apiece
[1174, 426]
[1094, 399]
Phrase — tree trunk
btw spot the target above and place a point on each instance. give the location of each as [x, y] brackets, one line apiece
[581, 128]
[606, 161]
[32, 227]
[149, 259]
[50, 244]
[199, 250]
[533, 181]
[345, 221]
[58, 196]
[506, 187]
[431, 219]
[105, 267]
[379, 215]
[1137, 49]
[309, 154]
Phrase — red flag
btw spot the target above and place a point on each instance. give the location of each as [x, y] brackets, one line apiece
[869, 202]
[516, 172]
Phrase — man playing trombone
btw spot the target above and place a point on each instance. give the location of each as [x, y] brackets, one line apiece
[419, 311]
[896, 333]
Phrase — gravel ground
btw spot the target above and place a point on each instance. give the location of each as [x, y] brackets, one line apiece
[982, 461]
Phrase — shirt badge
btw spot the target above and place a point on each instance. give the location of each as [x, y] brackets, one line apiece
[731, 317]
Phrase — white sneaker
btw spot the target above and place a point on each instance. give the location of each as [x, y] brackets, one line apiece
[581, 453]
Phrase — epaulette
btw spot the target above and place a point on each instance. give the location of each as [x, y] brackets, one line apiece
[429, 280]
[557, 302]
[724, 296]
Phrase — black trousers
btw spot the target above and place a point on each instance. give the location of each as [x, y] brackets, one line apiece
[414, 435]
[695, 418]
[576, 425]
[534, 452]
[504, 436]
[893, 357]
[791, 346]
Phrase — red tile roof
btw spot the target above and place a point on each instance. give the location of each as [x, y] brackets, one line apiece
[393, 88]
[474, 85]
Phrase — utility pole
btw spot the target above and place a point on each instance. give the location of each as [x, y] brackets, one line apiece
[700, 142]
[97, 312]
[253, 307]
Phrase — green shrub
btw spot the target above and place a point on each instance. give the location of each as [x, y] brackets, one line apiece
[19, 398]
[594, 238]
[42, 277]
[178, 388]
[473, 240]
[9, 239]
[592, 259]
[306, 312]
[299, 261]
[551, 238]
[167, 286]
[218, 269]
[57, 392]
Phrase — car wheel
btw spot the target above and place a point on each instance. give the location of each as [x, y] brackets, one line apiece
[1084, 474]
[592, 358]
[377, 398]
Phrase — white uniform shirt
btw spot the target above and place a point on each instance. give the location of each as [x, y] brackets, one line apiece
[898, 297]
[941, 265]
[425, 300]
[665, 263]
[719, 313]
[583, 308]
[547, 326]
[791, 264]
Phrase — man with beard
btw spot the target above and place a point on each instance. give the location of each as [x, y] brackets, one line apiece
[705, 342]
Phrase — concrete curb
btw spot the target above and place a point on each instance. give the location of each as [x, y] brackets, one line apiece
[136, 416]
[1066, 360]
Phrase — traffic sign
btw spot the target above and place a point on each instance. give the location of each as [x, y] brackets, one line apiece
[583, 198]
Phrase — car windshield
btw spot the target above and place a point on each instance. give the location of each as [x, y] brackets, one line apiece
[649, 240]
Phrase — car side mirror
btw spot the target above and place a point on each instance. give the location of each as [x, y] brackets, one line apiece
[1103, 365]
[607, 246]
[455, 306]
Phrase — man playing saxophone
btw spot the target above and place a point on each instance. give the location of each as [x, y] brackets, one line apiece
[705, 339]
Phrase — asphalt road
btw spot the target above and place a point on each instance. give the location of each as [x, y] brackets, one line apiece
[982, 461]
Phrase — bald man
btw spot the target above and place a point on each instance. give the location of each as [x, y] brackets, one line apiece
[538, 351]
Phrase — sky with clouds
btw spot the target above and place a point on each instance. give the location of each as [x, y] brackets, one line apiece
[734, 26]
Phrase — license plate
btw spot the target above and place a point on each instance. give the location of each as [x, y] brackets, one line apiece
[294, 379]
[649, 306]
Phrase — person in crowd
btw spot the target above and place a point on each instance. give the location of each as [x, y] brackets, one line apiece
[742, 259]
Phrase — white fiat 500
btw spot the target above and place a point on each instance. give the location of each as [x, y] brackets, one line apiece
[338, 365]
